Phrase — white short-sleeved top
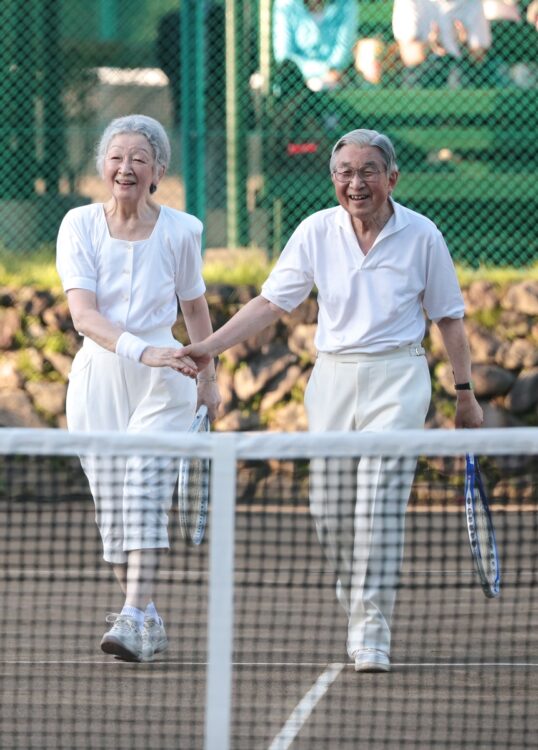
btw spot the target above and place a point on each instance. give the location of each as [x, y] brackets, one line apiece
[374, 302]
[137, 283]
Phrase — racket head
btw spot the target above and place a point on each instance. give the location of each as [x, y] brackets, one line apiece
[193, 487]
[481, 530]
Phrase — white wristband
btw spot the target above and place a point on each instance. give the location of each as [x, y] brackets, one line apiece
[130, 346]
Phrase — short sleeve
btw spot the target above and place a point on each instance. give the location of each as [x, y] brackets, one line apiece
[75, 259]
[189, 281]
[291, 280]
[442, 295]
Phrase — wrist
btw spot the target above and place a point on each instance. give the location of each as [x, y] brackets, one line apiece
[465, 386]
[130, 346]
[210, 377]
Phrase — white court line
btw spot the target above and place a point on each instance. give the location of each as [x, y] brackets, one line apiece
[436, 508]
[261, 664]
[302, 711]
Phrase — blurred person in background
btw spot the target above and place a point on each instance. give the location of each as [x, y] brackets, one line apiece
[317, 36]
[449, 29]
[124, 266]
[513, 57]
[379, 269]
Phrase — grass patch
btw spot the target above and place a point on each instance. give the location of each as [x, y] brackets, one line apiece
[499, 275]
[236, 267]
[36, 268]
[248, 266]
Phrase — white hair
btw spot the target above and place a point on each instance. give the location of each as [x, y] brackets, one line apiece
[143, 125]
[362, 137]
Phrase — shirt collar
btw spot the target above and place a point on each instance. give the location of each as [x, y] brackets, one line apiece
[399, 220]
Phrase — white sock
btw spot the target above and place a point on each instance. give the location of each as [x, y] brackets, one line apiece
[152, 612]
[134, 612]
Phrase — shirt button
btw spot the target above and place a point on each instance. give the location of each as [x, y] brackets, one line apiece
[125, 270]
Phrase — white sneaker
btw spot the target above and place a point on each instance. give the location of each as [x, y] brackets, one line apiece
[371, 660]
[154, 638]
[124, 638]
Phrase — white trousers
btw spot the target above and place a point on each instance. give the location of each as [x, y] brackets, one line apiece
[359, 504]
[132, 494]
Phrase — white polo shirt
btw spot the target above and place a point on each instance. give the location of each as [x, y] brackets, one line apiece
[367, 303]
[137, 283]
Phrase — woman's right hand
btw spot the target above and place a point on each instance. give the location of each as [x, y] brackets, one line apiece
[161, 356]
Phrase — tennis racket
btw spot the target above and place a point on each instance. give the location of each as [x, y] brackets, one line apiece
[193, 487]
[480, 528]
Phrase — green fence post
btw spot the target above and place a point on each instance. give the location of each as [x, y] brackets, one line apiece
[237, 95]
[193, 130]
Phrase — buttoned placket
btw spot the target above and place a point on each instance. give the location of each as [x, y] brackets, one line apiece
[127, 276]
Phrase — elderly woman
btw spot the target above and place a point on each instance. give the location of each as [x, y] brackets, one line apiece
[124, 265]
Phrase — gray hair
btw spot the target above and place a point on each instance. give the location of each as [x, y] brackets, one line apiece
[142, 125]
[361, 138]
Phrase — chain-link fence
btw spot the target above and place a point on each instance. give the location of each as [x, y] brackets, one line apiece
[255, 93]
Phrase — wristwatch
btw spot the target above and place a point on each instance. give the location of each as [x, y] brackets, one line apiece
[464, 386]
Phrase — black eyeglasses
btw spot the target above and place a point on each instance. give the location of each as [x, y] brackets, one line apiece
[366, 175]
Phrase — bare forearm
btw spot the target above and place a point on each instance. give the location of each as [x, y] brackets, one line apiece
[92, 324]
[468, 410]
[252, 318]
[457, 347]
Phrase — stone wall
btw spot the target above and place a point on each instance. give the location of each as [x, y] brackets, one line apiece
[262, 380]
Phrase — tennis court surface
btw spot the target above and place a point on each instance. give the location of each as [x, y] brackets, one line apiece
[257, 655]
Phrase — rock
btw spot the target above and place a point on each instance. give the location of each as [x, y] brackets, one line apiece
[289, 418]
[10, 324]
[280, 388]
[497, 417]
[522, 297]
[10, 377]
[237, 420]
[512, 324]
[484, 344]
[516, 354]
[254, 376]
[488, 380]
[524, 394]
[16, 410]
[225, 382]
[48, 397]
[480, 295]
[61, 363]
[301, 342]
[491, 380]
[515, 489]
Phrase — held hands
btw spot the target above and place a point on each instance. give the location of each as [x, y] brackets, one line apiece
[161, 356]
[197, 353]
[208, 392]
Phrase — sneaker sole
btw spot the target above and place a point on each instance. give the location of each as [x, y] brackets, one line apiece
[117, 649]
[372, 667]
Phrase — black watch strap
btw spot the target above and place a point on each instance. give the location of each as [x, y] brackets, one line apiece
[464, 386]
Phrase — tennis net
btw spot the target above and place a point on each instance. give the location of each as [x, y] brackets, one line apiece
[257, 615]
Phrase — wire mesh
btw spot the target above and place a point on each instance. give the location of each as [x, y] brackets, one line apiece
[277, 83]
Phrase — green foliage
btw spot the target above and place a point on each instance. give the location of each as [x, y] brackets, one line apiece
[30, 268]
[248, 266]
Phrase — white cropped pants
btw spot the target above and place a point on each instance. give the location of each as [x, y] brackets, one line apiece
[132, 494]
[359, 505]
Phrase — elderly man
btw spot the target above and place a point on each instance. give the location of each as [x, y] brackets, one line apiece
[378, 267]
